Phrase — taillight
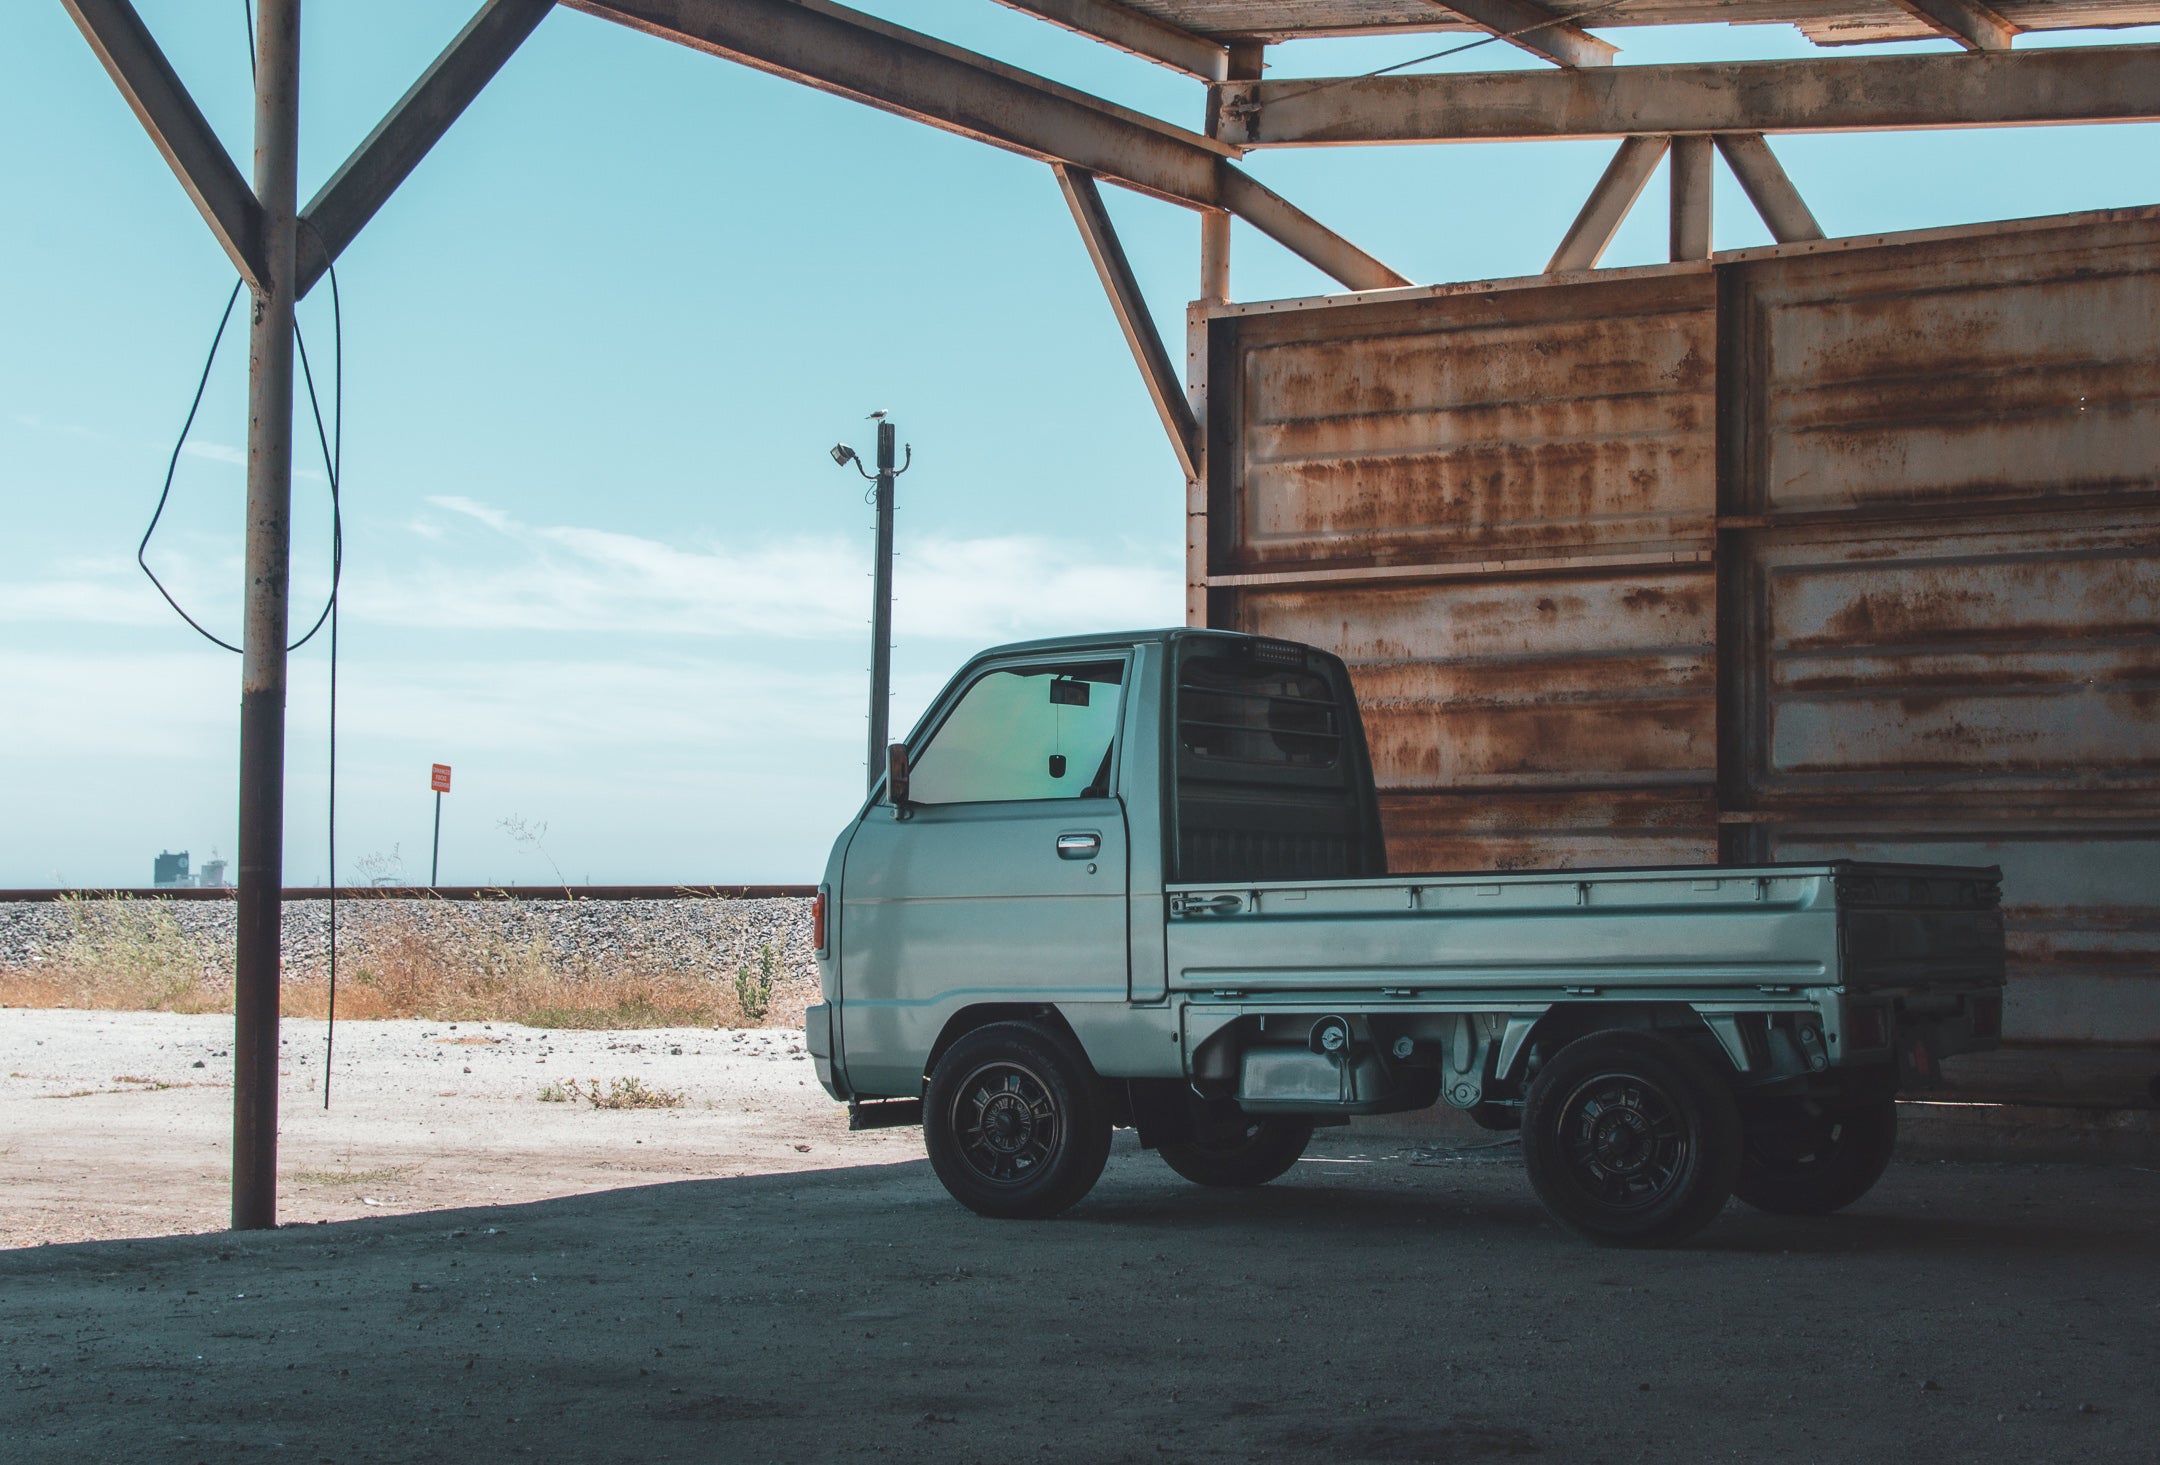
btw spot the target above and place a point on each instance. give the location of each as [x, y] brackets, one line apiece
[1987, 1016]
[1866, 1027]
[817, 920]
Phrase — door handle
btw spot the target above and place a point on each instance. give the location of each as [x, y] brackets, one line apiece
[1079, 846]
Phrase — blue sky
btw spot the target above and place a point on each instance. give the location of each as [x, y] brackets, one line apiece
[596, 349]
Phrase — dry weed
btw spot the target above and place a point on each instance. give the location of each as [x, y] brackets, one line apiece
[121, 954]
[347, 1177]
[621, 1093]
[436, 960]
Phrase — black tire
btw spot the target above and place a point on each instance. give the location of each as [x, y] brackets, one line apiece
[1630, 1139]
[1016, 1122]
[1247, 1151]
[1803, 1159]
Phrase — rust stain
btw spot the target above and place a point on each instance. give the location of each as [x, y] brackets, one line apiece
[1960, 632]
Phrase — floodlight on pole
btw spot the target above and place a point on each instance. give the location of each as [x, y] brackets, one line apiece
[881, 593]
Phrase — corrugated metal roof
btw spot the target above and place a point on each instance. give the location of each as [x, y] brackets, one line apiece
[1826, 22]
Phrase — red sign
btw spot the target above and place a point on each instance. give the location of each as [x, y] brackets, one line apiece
[439, 780]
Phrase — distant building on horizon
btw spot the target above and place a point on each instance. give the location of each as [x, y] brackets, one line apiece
[170, 872]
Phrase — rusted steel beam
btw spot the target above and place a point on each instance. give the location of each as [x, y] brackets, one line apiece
[265, 621]
[1135, 31]
[897, 70]
[177, 126]
[1767, 187]
[882, 65]
[1126, 302]
[1968, 22]
[1843, 94]
[342, 206]
[1535, 28]
[1607, 207]
[1690, 181]
[1248, 61]
[1302, 234]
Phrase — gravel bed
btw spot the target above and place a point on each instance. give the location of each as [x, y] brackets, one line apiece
[712, 935]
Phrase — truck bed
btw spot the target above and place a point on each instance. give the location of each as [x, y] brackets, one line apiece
[1550, 934]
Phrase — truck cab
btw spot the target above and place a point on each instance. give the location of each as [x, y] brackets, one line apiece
[1139, 879]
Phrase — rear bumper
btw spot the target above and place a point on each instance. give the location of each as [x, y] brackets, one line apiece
[818, 1038]
[1916, 1031]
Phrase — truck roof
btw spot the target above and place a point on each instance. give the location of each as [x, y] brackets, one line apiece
[1104, 639]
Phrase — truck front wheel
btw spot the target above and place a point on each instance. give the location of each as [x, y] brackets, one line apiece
[1630, 1139]
[1805, 1160]
[1015, 1122]
[1247, 1151]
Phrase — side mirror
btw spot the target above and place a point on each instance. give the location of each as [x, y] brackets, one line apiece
[896, 778]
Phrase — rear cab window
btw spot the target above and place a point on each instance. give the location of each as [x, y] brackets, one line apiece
[1270, 781]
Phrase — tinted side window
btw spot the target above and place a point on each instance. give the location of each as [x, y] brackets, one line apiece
[1034, 733]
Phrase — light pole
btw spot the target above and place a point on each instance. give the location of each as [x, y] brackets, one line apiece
[881, 591]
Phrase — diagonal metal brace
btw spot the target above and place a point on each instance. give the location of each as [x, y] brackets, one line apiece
[132, 58]
[1156, 368]
[826, 45]
[343, 206]
[1607, 207]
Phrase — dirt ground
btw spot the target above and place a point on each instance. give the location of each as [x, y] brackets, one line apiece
[108, 1128]
[536, 1284]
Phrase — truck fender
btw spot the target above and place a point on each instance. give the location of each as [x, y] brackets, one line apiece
[1725, 1027]
[1564, 1022]
[982, 1014]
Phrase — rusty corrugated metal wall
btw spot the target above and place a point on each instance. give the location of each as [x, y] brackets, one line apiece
[1844, 549]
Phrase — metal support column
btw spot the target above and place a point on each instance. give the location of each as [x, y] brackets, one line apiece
[1691, 197]
[264, 621]
[1245, 62]
[881, 607]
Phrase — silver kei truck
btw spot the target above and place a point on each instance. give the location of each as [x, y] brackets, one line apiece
[1138, 880]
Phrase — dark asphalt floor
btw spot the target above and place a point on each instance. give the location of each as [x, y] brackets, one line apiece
[1392, 1308]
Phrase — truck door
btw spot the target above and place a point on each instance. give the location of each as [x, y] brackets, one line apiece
[1006, 882]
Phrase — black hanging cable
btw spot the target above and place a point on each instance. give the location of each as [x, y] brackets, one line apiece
[1576, 18]
[333, 449]
[172, 464]
[332, 443]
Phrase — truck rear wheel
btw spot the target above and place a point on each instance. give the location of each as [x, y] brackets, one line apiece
[1015, 1122]
[1247, 1151]
[1806, 1160]
[1630, 1139]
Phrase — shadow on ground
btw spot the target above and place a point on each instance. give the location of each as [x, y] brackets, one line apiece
[1353, 1312]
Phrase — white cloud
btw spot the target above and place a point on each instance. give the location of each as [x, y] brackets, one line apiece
[216, 453]
[105, 601]
[714, 726]
[471, 567]
[493, 518]
[111, 590]
[573, 578]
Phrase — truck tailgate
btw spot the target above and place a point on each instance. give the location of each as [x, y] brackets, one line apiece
[1919, 929]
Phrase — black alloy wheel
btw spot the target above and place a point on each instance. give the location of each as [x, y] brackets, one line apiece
[1807, 1159]
[1015, 1122]
[1631, 1139]
[1246, 1150]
